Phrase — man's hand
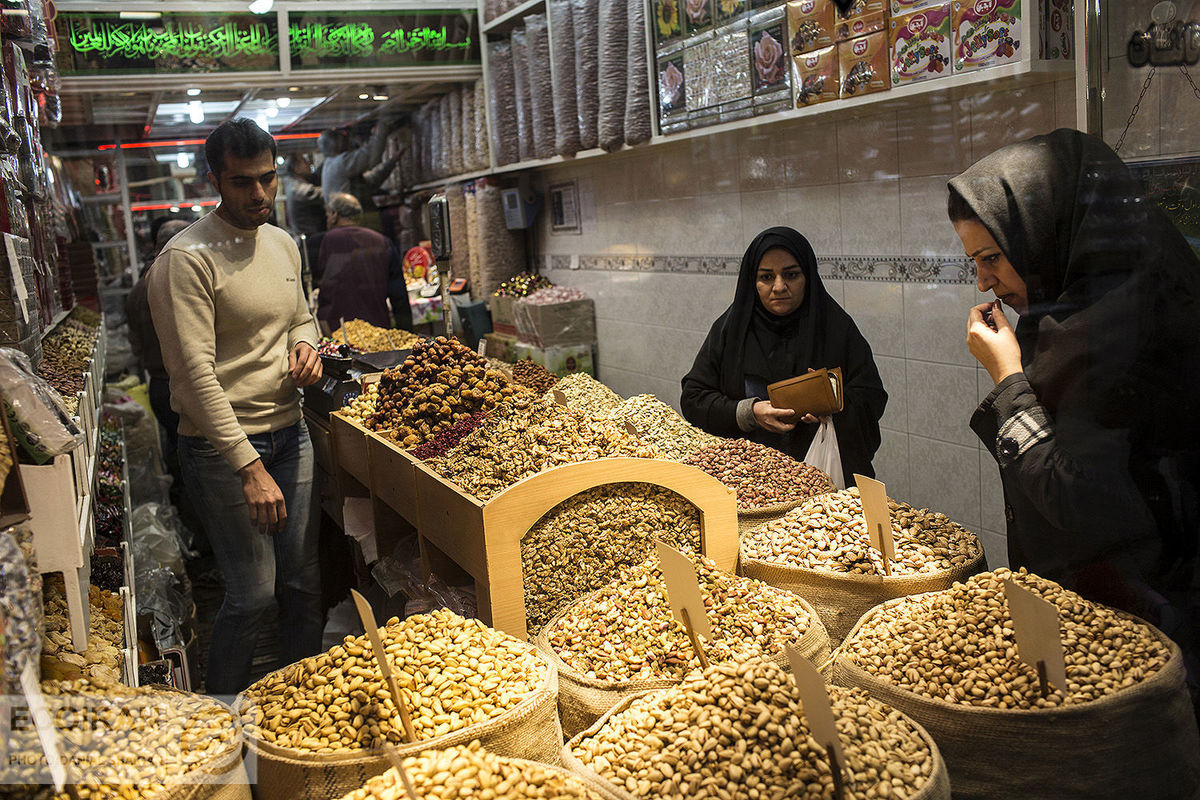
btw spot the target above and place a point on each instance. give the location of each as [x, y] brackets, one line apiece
[997, 350]
[775, 420]
[304, 365]
[267, 508]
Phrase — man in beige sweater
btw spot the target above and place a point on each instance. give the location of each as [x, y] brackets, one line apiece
[238, 342]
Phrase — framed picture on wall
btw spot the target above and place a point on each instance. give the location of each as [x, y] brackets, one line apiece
[1174, 183]
[564, 207]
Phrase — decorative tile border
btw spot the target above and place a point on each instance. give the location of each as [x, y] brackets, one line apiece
[902, 269]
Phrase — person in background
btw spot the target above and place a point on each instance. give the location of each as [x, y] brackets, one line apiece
[238, 342]
[1093, 417]
[343, 164]
[305, 205]
[359, 272]
[781, 324]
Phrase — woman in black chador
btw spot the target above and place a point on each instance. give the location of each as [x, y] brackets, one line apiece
[1094, 416]
[782, 324]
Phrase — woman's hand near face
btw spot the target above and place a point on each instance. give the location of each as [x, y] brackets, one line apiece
[997, 350]
[775, 420]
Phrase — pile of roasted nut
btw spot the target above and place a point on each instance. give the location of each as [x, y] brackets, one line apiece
[367, 338]
[585, 542]
[585, 393]
[66, 352]
[828, 532]
[738, 731]
[958, 645]
[106, 636]
[473, 772]
[526, 436]
[440, 383]
[362, 408]
[659, 424]
[452, 673]
[626, 630]
[535, 376]
[761, 475]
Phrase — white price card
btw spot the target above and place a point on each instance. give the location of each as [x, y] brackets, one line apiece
[879, 520]
[1035, 624]
[683, 589]
[47, 735]
[18, 280]
[818, 711]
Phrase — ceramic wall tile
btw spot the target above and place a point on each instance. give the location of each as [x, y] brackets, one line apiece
[995, 548]
[622, 381]
[892, 465]
[815, 211]
[935, 139]
[935, 322]
[895, 382]
[699, 166]
[622, 345]
[867, 149]
[1002, 117]
[991, 493]
[629, 231]
[812, 153]
[762, 161]
[762, 210]
[944, 477]
[941, 399]
[714, 219]
[925, 230]
[870, 217]
[835, 288]
[878, 310]
[984, 383]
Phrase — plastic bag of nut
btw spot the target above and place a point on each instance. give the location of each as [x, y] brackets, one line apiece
[623, 639]
[821, 551]
[739, 732]
[1123, 726]
[317, 727]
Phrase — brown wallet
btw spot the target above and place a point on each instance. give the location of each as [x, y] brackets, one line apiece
[818, 393]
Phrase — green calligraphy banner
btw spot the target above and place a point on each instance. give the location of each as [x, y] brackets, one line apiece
[383, 39]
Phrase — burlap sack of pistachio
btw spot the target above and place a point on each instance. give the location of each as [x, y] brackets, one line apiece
[932, 553]
[222, 778]
[753, 517]
[936, 785]
[528, 729]
[1139, 742]
[743, 614]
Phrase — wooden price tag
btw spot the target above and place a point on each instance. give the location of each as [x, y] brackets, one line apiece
[818, 712]
[47, 735]
[368, 620]
[683, 593]
[398, 763]
[879, 521]
[630, 429]
[1035, 624]
[559, 397]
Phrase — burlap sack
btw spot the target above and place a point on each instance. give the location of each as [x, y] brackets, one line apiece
[583, 700]
[1139, 743]
[841, 598]
[222, 777]
[936, 788]
[753, 517]
[529, 730]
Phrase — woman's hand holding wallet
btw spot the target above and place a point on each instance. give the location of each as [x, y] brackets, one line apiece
[992, 341]
[775, 420]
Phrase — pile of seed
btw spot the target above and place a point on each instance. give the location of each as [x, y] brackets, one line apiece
[761, 475]
[586, 542]
[958, 645]
[828, 532]
[367, 338]
[66, 353]
[362, 408]
[626, 631]
[659, 424]
[452, 673]
[535, 376]
[585, 393]
[473, 772]
[121, 742]
[738, 731]
[524, 437]
[440, 383]
[442, 443]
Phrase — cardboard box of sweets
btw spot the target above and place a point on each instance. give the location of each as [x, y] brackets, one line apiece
[816, 77]
[921, 45]
[900, 7]
[557, 324]
[986, 33]
[501, 347]
[864, 17]
[559, 360]
[865, 65]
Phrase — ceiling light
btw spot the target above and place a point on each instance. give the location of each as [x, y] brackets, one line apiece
[271, 111]
[279, 160]
[364, 96]
[293, 88]
[261, 6]
[380, 97]
[262, 122]
[183, 160]
[139, 14]
[174, 209]
[283, 102]
[196, 112]
[193, 92]
[196, 209]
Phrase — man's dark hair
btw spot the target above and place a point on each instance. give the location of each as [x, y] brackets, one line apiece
[958, 208]
[240, 138]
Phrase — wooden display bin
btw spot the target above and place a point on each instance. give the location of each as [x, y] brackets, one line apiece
[484, 539]
[350, 447]
[393, 477]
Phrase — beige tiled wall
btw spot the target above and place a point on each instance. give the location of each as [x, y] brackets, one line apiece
[870, 184]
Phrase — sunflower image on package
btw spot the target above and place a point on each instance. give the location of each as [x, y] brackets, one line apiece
[728, 9]
[921, 45]
[769, 59]
[986, 33]
[672, 89]
[668, 23]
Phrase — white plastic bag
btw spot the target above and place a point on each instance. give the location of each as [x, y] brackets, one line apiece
[825, 455]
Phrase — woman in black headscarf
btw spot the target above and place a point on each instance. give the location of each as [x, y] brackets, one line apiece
[1093, 419]
[782, 324]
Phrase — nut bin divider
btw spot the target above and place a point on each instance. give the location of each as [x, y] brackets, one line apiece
[350, 449]
[393, 477]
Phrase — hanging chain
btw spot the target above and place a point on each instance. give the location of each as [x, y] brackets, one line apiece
[1195, 89]
[1138, 105]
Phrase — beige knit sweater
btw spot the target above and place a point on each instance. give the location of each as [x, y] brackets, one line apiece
[228, 308]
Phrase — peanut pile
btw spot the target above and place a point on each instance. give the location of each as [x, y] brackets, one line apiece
[585, 542]
[738, 732]
[585, 393]
[761, 475]
[626, 631]
[367, 338]
[828, 532]
[452, 672]
[658, 424]
[958, 645]
[473, 772]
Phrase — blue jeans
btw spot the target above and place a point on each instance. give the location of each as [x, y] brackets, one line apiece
[258, 567]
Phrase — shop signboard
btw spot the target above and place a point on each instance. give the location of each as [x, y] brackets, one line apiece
[337, 40]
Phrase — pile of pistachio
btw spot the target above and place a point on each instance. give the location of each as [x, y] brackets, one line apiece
[368, 338]
[585, 393]
[659, 424]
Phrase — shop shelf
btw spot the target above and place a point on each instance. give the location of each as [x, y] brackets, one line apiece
[393, 477]
[484, 539]
[129, 666]
[510, 19]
